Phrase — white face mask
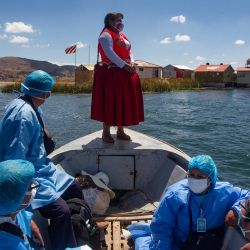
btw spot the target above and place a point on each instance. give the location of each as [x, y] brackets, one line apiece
[197, 186]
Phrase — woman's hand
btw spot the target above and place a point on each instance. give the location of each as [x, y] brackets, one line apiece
[130, 69]
[231, 218]
[35, 232]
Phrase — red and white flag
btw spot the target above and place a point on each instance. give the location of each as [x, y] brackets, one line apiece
[71, 49]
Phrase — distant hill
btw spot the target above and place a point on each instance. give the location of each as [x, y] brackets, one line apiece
[16, 68]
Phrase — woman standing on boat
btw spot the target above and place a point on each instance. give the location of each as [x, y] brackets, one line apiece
[117, 97]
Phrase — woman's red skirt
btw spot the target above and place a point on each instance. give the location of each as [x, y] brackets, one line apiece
[117, 97]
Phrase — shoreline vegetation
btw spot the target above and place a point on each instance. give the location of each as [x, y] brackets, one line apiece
[148, 85]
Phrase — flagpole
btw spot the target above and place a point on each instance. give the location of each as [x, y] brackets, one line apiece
[89, 55]
[75, 65]
[75, 57]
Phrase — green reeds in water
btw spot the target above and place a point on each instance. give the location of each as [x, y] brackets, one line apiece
[165, 85]
[148, 85]
[58, 88]
[73, 88]
[10, 88]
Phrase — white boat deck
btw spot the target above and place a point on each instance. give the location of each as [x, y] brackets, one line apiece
[139, 141]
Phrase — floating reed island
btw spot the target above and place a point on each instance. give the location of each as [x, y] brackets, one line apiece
[148, 85]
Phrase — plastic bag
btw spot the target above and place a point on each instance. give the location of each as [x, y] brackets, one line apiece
[97, 200]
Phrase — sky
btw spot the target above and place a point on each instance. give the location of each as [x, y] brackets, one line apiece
[184, 32]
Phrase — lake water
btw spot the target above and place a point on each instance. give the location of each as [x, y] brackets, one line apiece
[198, 122]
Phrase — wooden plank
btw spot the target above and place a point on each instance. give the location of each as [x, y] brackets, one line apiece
[125, 244]
[125, 214]
[124, 241]
[127, 218]
[113, 237]
[108, 236]
[116, 235]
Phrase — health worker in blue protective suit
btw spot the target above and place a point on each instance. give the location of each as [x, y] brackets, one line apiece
[22, 136]
[191, 215]
[17, 190]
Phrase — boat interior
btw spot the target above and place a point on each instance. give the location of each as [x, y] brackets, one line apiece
[138, 178]
[139, 171]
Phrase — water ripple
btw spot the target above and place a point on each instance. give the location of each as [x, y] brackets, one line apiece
[198, 122]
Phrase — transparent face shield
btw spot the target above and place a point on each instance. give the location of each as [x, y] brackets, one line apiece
[47, 95]
[34, 186]
[244, 221]
[41, 92]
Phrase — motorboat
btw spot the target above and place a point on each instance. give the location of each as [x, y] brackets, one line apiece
[139, 171]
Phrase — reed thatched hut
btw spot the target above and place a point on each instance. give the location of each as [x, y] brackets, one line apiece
[84, 73]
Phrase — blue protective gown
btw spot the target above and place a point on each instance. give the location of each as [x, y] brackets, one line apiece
[170, 223]
[11, 242]
[21, 137]
[23, 219]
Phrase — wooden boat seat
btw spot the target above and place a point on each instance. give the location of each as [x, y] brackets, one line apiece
[112, 238]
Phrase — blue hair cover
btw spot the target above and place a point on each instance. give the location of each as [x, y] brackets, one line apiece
[15, 178]
[37, 83]
[205, 164]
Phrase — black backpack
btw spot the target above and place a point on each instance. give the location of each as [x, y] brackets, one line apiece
[83, 223]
